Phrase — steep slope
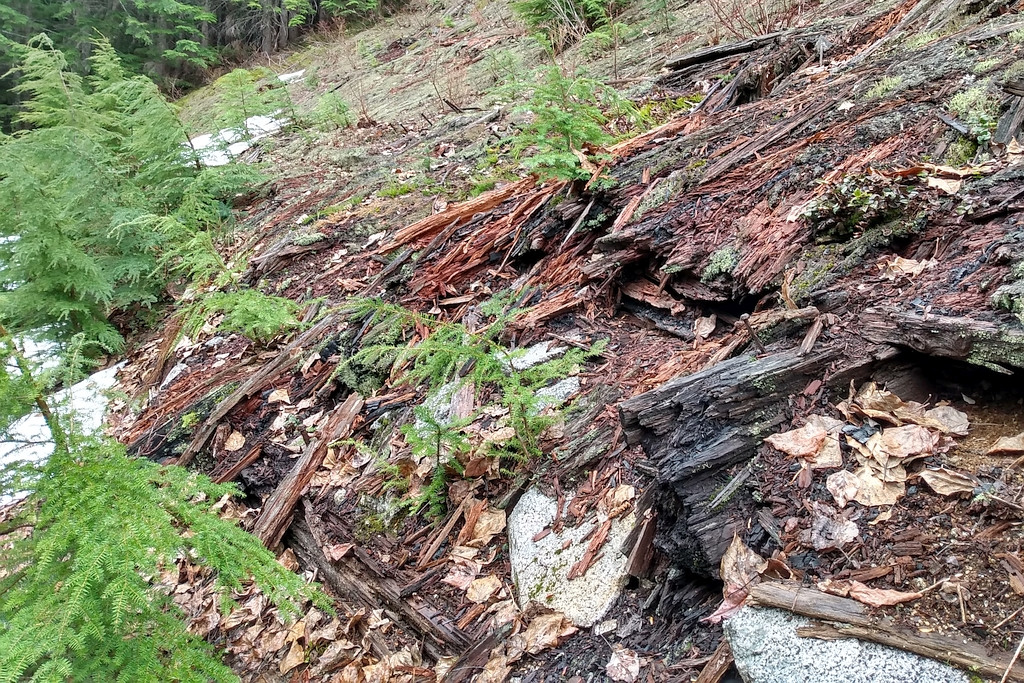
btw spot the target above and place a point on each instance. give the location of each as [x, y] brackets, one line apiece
[837, 202]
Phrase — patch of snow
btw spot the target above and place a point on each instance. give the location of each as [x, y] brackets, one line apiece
[172, 375]
[217, 149]
[85, 403]
[292, 77]
[541, 568]
[558, 393]
[540, 352]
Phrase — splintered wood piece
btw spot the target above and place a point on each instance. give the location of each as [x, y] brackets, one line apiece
[851, 619]
[156, 374]
[461, 212]
[719, 663]
[249, 458]
[267, 374]
[435, 543]
[643, 550]
[590, 556]
[173, 403]
[710, 54]
[277, 510]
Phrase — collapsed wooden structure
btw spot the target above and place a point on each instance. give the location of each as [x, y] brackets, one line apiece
[707, 243]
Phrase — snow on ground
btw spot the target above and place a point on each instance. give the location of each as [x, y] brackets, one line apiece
[85, 402]
[292, 77]
[217, 149]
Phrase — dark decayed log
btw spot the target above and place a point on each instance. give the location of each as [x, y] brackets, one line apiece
[695, 426]
[716, 417]
[358, 583]
[710, 54]
[987, 344]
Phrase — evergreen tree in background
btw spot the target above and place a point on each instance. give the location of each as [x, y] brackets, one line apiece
[99, 159]
[172, 41]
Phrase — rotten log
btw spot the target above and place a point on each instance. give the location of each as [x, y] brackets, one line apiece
[715, 52]
[715, 417]
[277, 510]
[267, 374]
[1011, 123]
[850, 619]
[694, 427]
[353, 581]
[987, 344]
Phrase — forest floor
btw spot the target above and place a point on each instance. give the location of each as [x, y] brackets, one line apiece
[841, 199]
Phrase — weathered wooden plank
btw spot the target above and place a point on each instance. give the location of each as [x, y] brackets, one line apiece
[710, 54]
[851, 619]
[356, 583]
[277, 510]
[988, 344]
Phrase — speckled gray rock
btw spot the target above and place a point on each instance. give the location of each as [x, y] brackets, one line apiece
[540, 568]
[768, 650]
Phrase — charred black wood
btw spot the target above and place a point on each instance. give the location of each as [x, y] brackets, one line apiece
[988, 344]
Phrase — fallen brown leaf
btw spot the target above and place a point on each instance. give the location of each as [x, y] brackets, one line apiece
[740, 568]
[879, 597]
[804, 442]
[949, 482]
[279, 396]
[481, 590]
[337, 551]
[294, 657]
[829, 529]
[624, 665]
[1007, 445]
[234, 442]
[546, 631]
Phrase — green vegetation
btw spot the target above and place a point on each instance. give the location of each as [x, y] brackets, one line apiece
[330, 113]
[107, 202]
[722, 262]
[256, 315]
[885, 86]
[961, 151]
[396, 189]
[977, 108]
[172, 41]
[567, 123]
[244, 93]
[919, 40]
[855, 203]
[80, 573]
[449, 356]
[562, 22]
[986, 65]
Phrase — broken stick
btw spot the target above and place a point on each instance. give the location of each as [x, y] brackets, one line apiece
[277, 510]
[850, 619]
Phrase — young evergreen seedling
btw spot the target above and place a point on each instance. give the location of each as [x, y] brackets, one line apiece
[451, 355]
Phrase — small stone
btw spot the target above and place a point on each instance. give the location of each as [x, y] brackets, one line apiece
[606, 626]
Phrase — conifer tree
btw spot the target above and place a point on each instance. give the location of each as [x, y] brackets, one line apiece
[98, 159]
[78, 598]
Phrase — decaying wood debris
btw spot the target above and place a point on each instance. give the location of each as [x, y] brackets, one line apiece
[737, 304]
